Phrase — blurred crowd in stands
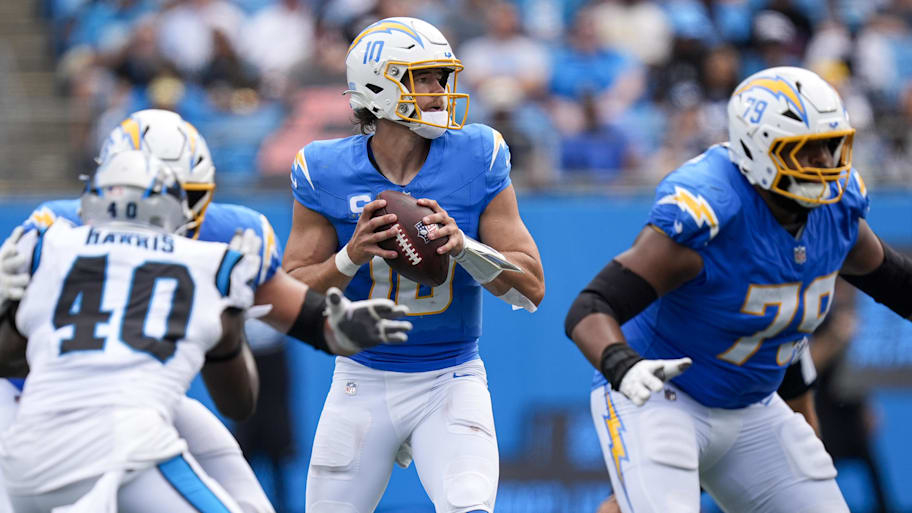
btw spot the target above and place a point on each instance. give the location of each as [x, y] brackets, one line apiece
[587, 93]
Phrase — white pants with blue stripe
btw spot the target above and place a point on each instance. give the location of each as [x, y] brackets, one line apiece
[213, 446]
[763, 458]
[177, 485]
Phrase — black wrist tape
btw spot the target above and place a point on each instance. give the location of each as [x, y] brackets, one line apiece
[308, 326]
[617, 359]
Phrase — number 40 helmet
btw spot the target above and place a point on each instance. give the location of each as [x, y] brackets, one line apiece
[772, 115]
[175, 142]
[380, 65]
[136, 187]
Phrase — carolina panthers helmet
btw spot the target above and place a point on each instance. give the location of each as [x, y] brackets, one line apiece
[772, 115]
[136, 187]
[380, 64]
[176, 143]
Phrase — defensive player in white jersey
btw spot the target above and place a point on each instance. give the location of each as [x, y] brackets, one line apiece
[426, 399]
[134, 313]
[692, 328]
[295, 309]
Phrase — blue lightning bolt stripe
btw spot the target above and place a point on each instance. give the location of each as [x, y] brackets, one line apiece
[778, 86]
[388, 27]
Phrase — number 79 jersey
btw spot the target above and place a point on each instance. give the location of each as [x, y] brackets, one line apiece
[762, 291]
[117, 320]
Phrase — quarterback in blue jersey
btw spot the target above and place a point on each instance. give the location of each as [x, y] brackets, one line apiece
[295, 308]
[426, 399]
[692, 328]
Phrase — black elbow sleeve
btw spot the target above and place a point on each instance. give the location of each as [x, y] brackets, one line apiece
[890, 284]
[616, 291]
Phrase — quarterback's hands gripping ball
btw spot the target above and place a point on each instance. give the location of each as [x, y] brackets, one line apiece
[358, 325]
[419, 239]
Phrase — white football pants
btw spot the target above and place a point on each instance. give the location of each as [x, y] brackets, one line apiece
[372, 418]
[177, 486]
[213, 446]
[760, 459]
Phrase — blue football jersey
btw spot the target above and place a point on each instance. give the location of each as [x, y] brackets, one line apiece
[465, 169]
[761, 292]
[219, 225]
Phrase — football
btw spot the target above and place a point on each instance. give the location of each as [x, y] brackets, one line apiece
[417, 257]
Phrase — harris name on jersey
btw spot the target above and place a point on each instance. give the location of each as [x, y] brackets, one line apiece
[155, 241]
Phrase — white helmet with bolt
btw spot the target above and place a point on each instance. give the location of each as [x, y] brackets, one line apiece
[772, 115]
[175, 142]
[380, 65]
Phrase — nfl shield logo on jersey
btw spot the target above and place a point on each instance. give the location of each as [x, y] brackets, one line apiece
[800, 254]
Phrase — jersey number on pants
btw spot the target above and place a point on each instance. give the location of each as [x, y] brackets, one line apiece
[421, 299]
[786, 299]
[80, 306]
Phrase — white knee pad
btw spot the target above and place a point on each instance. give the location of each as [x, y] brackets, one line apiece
[471, 484]
[338, 441]
[805, 451]
[669, 438]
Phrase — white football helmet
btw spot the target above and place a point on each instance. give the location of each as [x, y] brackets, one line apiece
[773, 114]
[136, 187]
[176, 143]
[380, 63]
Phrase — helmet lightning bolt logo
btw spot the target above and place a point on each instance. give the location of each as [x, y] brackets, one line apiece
[616, 441]
[696, 206]
[779, 87]
[388, 27]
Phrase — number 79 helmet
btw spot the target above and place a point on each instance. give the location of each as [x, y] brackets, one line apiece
[775, 113]
[380, 65]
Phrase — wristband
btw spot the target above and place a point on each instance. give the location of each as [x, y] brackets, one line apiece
[617, 359]
[344, 263]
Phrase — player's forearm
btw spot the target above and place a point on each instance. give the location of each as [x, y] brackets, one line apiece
[593, 334]
[321, 276]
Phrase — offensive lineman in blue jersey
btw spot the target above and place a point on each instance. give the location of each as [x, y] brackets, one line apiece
[426, 399]
[734, 270]
[295, 308]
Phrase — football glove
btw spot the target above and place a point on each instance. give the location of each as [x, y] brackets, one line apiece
[357, 325]
[648, 376]
[635, 377]
[12, 280]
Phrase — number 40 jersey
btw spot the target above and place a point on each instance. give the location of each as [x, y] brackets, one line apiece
[118, 322]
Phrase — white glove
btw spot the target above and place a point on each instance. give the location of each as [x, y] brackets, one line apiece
[648, 376]
[358, 325]
[12, 280]
[244, 274]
